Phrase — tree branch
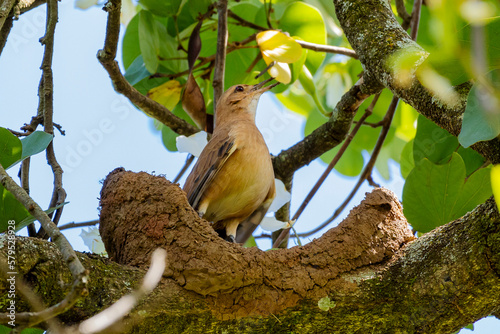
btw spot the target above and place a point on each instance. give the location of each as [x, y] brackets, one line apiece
[366, 24]
[46, 98]
[220, 55]
[78, 272]
[436, 284]
[107, 57]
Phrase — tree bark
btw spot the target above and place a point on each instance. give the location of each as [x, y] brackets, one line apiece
[378, 279]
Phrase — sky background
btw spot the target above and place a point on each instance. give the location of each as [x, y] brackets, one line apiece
[104, 131]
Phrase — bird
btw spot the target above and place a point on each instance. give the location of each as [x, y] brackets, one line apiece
[233, 178]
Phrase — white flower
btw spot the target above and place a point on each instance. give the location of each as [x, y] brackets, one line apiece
[193, 144]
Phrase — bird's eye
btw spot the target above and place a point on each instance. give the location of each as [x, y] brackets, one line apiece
[239, 89]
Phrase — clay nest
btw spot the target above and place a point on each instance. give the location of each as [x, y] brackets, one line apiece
[141, 212]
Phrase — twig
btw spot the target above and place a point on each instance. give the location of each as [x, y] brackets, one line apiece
[78, 272]
[244, 22]
[110, 316]
[415, 19]
[46, 100]
[75, 225]
[328, 48]
[371, 163]
[184, 168]
[328, 169]
[268, 10]
[107, 57]
[401, 9]
[24, 172]
[220, 55]
[328, 135]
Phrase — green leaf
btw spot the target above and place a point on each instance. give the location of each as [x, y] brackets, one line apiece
[35, 143]
[10, 209]
[432, 142]
[149, 40]
[130, 45]
[162, 7]
[168, 138]
[406, 163]
[5, 329]
[250, 242]
[478, 123]
[10, 148]
[434, 195]
[303, 20]
[30, 219]
[136, 71]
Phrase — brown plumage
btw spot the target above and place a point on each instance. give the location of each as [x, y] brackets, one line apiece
[233, 176]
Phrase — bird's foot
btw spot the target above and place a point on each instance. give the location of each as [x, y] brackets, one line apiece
[230, 238]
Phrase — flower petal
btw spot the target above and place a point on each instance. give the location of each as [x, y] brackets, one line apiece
[280, 71]
[278, 46]
[282, 196]
[193, 144]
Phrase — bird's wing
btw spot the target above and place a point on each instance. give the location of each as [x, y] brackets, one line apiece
[210, 162]
[249, 225]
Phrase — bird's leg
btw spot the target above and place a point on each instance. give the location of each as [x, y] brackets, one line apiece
[231, 227]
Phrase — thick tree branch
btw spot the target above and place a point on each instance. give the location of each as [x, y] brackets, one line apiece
[436, 284]
[375, 34]
[107, 57]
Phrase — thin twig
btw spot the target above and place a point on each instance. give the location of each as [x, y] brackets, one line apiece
[107, 57]
[328, 169]
[75, 225]
[184, 168]
[328, 48]
[415, 19]
[368, 168]
[244, 22]
[268, 10]
[401, 9]
[220, 55]
[46, 99]
[80, 275]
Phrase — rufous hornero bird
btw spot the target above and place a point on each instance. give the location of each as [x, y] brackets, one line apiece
[233, 179]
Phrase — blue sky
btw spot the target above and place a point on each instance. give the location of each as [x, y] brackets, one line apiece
[104, 131]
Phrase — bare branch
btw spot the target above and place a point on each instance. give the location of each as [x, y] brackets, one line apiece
[220, 56]
[400, 7]
[75, 225]
[107, 57]
[328, 135]
[328, 48]
[46, 99]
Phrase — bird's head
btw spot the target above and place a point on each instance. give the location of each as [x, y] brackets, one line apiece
[241, 99]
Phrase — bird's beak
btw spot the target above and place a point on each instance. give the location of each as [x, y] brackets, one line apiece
[261, 88]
